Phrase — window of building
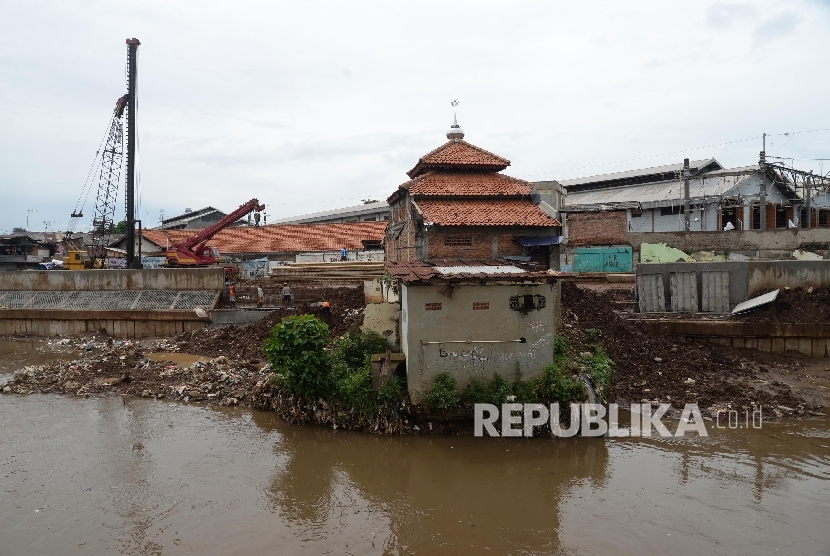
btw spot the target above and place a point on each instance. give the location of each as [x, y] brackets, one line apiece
[432, 306]
[822, 219]
[728, 215]
[756, 218]
[668, 211]
[780, 216]
[370, 219]
[458, 241]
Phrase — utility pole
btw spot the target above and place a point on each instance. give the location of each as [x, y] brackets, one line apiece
[687, 212]
[762, 165]
[132, 90]
[807, 194]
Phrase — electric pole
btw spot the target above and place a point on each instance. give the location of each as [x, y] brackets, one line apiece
[762, 165]
[132, 90]
[687, 212]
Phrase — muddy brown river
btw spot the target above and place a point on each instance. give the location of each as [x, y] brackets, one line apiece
[100, 476]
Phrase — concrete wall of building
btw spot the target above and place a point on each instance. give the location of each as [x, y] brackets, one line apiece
[734, 240]
[480, 319]
[113, 280]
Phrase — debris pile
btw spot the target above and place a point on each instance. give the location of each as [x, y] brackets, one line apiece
[112, 367]
[245, 342]
[678, 370]
[798, 305]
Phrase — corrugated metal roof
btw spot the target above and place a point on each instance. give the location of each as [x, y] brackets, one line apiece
[638, 173]
[412, 272]
[600, 207]
[345, 212]
[661, 193]
[495, 269]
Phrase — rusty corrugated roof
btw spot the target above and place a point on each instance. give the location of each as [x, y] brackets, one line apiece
[295, 238]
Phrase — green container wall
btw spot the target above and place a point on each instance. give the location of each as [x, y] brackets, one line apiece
[602, 259]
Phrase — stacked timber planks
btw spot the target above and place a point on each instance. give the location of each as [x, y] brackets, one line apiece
[334, 271]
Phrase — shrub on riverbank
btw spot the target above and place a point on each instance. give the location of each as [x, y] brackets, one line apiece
[557, 383]
[336, 384]
[296, 349]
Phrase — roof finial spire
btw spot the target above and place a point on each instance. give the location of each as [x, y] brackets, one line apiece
[455, 133]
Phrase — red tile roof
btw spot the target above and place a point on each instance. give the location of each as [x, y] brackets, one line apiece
[283, 238]
[502, 212]
[468, 184]
[459, 155]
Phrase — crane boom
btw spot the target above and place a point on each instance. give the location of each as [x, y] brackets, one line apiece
[193, 252]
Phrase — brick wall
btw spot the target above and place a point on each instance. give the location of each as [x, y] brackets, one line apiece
[459, 244]
[597, 228]
[400, 246]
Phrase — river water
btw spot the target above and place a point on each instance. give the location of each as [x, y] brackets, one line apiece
[100, 476]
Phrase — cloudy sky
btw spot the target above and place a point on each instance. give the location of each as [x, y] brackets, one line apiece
[316, 105]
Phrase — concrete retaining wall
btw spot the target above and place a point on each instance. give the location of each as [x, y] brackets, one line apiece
[121, 324]
[749, 278]
[810, 339]
[110, 280]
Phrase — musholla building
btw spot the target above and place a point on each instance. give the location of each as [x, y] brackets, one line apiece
[458, 205]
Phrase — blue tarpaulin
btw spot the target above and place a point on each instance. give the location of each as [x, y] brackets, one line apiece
[535, 241]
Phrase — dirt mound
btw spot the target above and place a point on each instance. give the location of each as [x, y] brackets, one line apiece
[676, 369]
[245, 342]
[799, 305]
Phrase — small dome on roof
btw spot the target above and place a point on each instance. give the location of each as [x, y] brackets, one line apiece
[455, 132]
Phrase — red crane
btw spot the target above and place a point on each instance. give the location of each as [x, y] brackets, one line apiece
[193, 252]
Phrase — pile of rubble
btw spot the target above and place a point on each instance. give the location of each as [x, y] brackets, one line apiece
[113, 367]
[245, 342]
[678, 370]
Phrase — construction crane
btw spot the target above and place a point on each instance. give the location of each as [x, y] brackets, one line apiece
[194, 251]
[109, 162]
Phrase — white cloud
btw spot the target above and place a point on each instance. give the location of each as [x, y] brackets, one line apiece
[313, 105]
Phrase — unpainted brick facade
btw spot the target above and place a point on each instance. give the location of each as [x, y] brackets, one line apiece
[597, 228]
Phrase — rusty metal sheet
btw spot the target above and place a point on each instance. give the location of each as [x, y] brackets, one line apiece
[715, 291]
[683, 286]
[650, 292]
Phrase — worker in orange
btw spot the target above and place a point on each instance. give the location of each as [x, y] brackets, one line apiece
[325, 308]
[232, 295]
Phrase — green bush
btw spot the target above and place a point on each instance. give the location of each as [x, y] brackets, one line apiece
[353, 350]
[477, 391]
[296, 349]
[354, 389]
[560, 347]
[554, 386]
[600, 367]
[498, 390]
[442, 394]
[392, 391]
